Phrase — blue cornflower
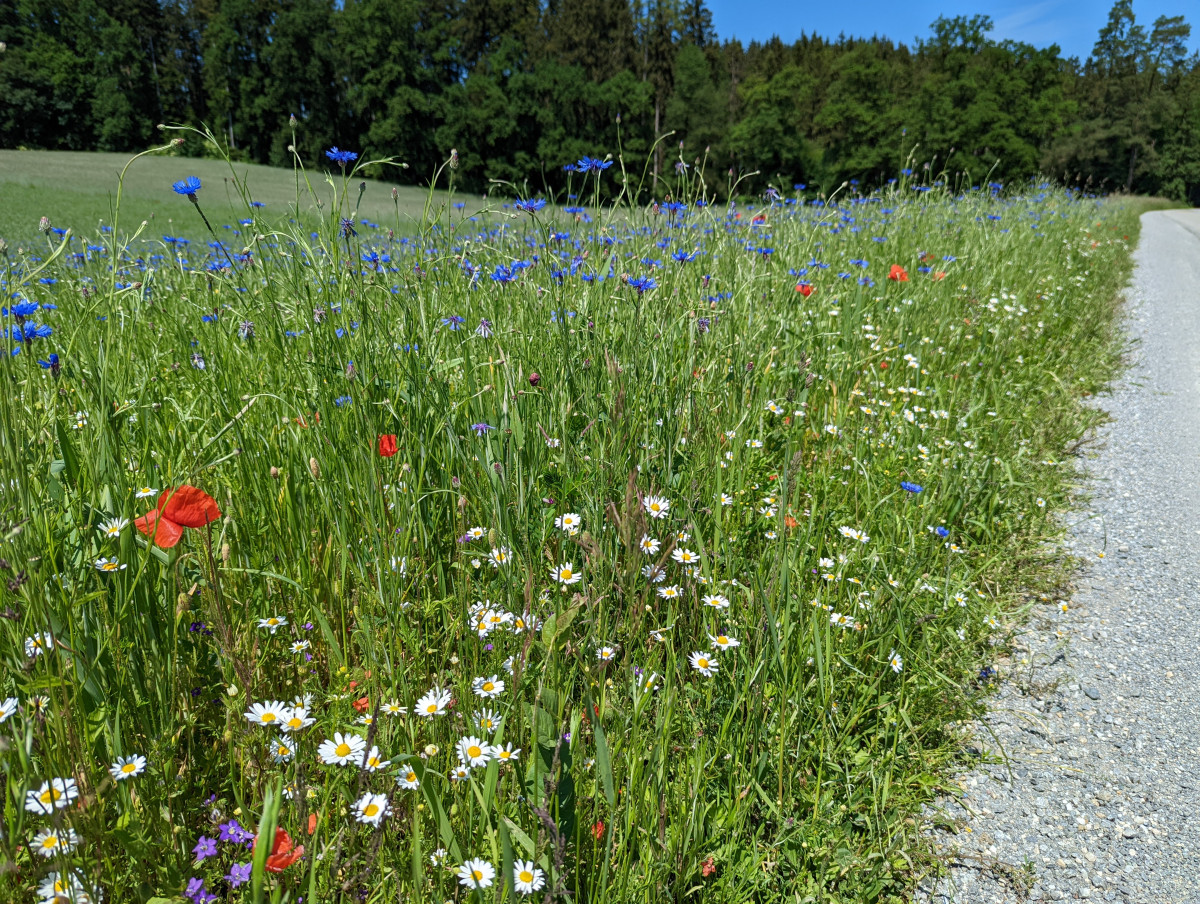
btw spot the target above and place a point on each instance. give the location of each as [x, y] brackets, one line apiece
[453, 322]
[683, 257]
[51, 364]
[484, 329]
[28, 331]
[21, 309]
[348, 228]
[592, 165]
[532, 205]
[481, 428]
[643, 284]
[941, 531]
[188, 186]
[342, 400]
[911, 487]
[341, 158]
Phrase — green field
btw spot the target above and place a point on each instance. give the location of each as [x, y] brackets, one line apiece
[656, 559]
[77, 190]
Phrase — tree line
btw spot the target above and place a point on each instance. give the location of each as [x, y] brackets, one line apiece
[521, 88]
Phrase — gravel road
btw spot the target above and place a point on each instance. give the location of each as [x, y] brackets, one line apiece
[1100, 717]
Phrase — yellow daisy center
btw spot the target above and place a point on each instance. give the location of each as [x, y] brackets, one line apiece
[411, 777]
[431, 708]
[702, 662]
[370, 810]
[50, 841]
[477, 875]
[268, 717]
[342, 749]
[488, 686]
[50, 795]
[129, 767]
[525, 876]
[474, 751]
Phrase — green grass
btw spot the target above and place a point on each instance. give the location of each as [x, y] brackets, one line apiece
[78, 190]
[778, 426]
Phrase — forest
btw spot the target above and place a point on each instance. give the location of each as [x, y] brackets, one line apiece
[522, 88]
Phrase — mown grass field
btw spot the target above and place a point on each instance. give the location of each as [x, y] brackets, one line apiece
[78, 190]
[654, 557]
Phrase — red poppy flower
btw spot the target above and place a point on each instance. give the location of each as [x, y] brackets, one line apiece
[940, 274]
[598, 830]
[312, 823]
[804, 289]
[362, 704]
[898, 273]
[283, 853]
[185, 506]
[387, 445]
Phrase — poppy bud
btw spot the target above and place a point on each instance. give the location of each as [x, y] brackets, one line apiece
[314, 468]
[535, 378]
[274, 473]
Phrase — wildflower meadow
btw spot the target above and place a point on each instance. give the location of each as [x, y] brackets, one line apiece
[624, 545]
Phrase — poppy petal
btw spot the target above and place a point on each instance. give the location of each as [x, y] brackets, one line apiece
[188, 506]
[162, 531]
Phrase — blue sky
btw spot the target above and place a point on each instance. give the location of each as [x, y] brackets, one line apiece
[1072, 24]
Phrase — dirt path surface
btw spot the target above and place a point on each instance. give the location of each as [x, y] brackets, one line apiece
[1100, 716]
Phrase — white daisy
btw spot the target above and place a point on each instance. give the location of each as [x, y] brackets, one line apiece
[649, 545]
[53, 795]
[434, 703]
[724, 641]
[488, 687]
[407, 779]
[274, 623]
[476, 874]
[109, 565]
[656, 506]
[370, 809]
[343, 750]
[284, 749]
[566, 574]
[272, 712]
[127, 767]
[703, 664]
[527, 878]
[50, 842]
[114, 526]
[473, 752]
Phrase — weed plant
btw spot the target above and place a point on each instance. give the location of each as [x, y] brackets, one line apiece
[641, 552]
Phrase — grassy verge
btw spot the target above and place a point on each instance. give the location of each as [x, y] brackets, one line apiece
[658, 557]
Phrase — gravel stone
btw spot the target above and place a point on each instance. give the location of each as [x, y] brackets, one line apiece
[1100, 792]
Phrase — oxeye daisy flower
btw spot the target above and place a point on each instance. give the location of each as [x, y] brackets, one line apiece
[473, 752]
[38, 644]
[283, 749]
[649, 545]
[895, 662]
[270, 712]
[853, 534]
[273, 623]
[7, 708]
[343, 750]
[726, 499]
[434, 703]
[486, 720]
[527, 878]
[724, 641]
[656, 506]
[60, 886]
[114, 526]
[294, 719]
[53, 795]
[505, 754]
[670, 592]
[569, 522]
[566, 574]
[407, 779]
[488, 687]
[375, 761]
[703, 664]
[109, 565]
[772, 407]
[501, 555]
[715, 601]
[371, 809]
[127, 767]
[460, 773]
[393, 708]
[606, 654]
[476, 874]
[300, 646]
[145, 493]
[51, 842]
[685, 556]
